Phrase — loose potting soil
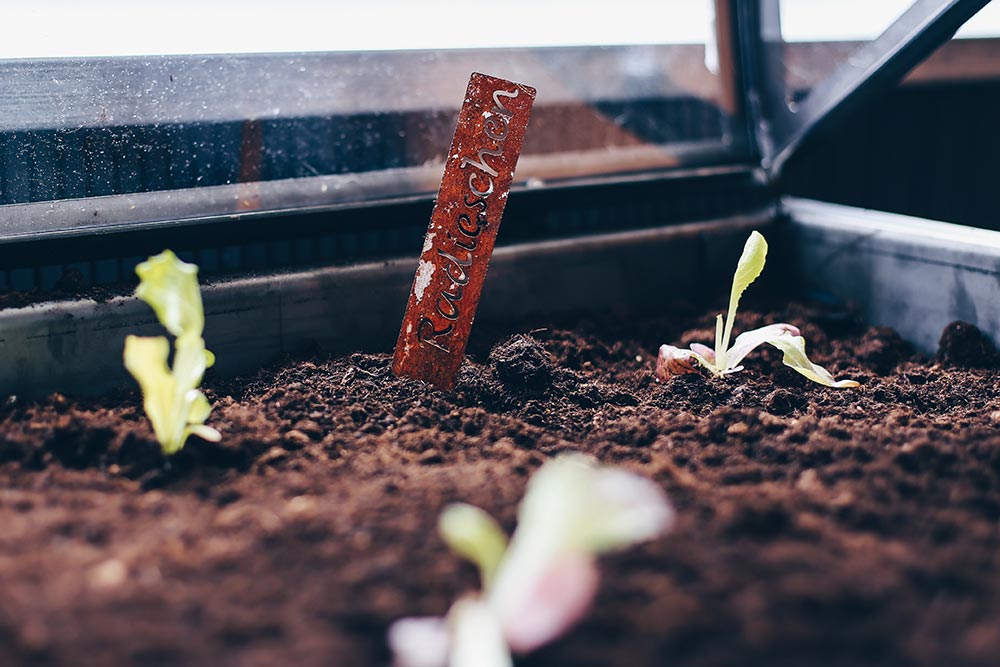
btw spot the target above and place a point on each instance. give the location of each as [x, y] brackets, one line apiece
[816, 526]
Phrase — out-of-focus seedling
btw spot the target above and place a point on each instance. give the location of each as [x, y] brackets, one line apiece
[724, 360]
[173, 403]
[543, 582]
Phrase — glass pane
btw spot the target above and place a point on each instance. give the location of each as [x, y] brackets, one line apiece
[98, 107]
[820, 35]
[69, 28]
[927, 147]
[986, 23]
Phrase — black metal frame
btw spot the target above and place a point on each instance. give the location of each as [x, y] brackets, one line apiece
[326, 235]
[782, 125]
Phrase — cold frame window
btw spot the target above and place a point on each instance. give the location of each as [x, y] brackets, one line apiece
[189, 109]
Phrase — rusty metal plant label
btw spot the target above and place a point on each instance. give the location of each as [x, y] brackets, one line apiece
[463, 229]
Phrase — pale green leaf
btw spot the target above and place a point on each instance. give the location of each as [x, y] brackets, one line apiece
[624, 509]
[170, 287]
[704, 351]
[204, 432]
[474, 534]
[706, 361]
[190, 360]
[748, 341]
[747, 270]
[719, 326]
[198, 407]
[146, 359]
[546, 579]
[171, 398]
[794, 349]
[574, 507]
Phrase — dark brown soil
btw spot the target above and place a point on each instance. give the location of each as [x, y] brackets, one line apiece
[816, 526]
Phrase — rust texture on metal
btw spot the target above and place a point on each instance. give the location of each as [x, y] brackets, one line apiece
[463, 229]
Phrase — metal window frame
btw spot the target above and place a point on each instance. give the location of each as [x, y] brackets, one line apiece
[768, 132]
[912, 274]
[75, 346]
[779, 127]
[230, 80]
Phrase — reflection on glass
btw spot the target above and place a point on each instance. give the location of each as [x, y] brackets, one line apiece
[820, 35]
[118, 117]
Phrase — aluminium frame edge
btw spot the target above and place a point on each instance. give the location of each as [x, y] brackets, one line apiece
[779, 130]
[76, 346]
[911, 274]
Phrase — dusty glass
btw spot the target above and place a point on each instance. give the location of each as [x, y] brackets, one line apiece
[306, 104]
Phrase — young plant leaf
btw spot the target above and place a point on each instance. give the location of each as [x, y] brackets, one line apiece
[170, 287]
[146, 360]
[475, 535]
[747, 270]
[573, 511]
[748, 341]
[549, 603]
[706, 353]
[794, 349]
[174, 405]
[625, 509]
[724, 360]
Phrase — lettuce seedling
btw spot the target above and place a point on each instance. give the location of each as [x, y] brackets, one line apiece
[724, 360]
[538, 586]
[173, 403]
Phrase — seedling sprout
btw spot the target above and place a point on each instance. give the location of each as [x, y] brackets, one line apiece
[538, 586]
[173, 403]
[724, 360]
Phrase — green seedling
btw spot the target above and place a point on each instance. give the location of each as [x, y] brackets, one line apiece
[173, 403]
[535, 588]
[724, 359]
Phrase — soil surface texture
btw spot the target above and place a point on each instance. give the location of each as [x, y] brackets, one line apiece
[815, 526]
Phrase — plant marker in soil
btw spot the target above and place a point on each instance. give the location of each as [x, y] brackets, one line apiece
[463, 228]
